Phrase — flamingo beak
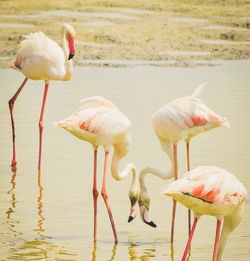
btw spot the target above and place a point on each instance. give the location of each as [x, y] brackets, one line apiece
[71, 42]
[145, 217]
[130, 218]
[132, 214]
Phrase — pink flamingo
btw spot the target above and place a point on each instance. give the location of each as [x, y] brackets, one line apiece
[209, 190]
[180, 119]
[101, 123]
[40, 58]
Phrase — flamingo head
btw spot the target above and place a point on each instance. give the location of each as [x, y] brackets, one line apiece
[144, 204]
[133, 196]
[70, 36]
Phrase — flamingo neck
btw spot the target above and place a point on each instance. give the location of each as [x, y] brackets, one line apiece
[153, 171]
[130, 168]
[144, 199]
[229, 225]
[162, 175]
[68, 63]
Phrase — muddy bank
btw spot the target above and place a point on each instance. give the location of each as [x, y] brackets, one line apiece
[182, 33]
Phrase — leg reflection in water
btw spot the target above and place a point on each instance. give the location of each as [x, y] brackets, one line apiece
[147, 253]
[113, 252]
[39, 229]
[10, 221]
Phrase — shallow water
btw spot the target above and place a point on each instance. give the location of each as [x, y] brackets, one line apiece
[184, 53]
[15, 25]
[51, 217]
[222, 42]
[188, 20]
[66, 13]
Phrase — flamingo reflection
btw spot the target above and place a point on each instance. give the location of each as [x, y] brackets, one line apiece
[113, 252]
[146, 253]
[11, 210]
[39, 229]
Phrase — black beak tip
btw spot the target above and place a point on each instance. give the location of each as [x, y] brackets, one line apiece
[70, 56]
[151, 223]
[130, 218]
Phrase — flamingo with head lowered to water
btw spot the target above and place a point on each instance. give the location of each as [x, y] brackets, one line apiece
[101, 123]
[181, 119]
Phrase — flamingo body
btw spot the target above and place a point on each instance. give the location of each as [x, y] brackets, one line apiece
[98, 122]
[40, 58]
[209, 190]
[185, 118]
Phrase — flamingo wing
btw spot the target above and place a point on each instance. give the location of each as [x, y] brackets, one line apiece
[210, 184]
[97, 115]
[95, 101]
[39, 57]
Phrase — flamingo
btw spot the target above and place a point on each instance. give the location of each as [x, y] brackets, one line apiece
[180, 119]
[41, 58]
[99, 122]
[209, 190]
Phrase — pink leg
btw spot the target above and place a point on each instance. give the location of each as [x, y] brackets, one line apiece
[217, 237]
[105, 195]
[189, 239]
[11, 107]
[95, 192]
[174, 201]
[188, 168]
[41, 124]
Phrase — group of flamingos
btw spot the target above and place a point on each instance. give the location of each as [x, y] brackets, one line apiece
[206, 190]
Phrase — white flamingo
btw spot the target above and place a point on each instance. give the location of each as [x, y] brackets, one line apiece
[209, 190]
[41, 58]
[181, 119]
[101, 123]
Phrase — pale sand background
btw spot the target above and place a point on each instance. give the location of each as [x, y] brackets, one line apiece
[183, 32]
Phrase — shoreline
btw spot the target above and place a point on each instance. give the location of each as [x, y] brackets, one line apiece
[166, 32]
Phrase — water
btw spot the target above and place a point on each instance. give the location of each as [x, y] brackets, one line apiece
[50, 217]
[222, 42]
[184, 53]
[15, 25]
[66, 13]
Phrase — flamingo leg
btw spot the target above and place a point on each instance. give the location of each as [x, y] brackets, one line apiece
[95, 192]
[105, 195]
[189, 239]
[188, 169]
[41, 124]
[174, 201]
[11, 107]
[216, 242]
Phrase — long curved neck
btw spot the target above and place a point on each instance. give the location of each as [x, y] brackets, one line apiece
[68, 63]
[162, 175]
[130, 168]
[153, 171]
[119, 152]
[230, 223]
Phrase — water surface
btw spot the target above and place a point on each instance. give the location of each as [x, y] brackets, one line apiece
[50, 217]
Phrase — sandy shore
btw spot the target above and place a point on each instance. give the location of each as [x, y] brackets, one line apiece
[163, 33]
